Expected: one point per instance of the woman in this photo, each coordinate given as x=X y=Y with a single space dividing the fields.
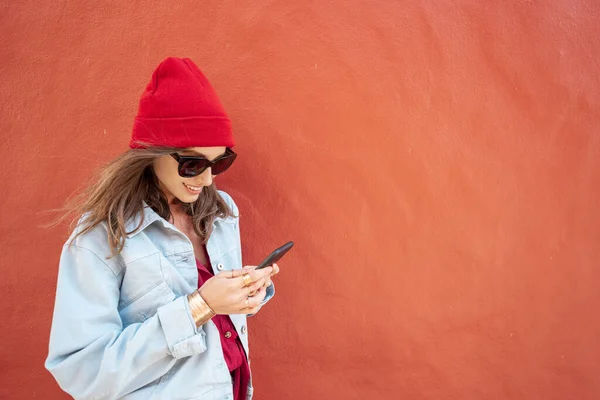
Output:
x=152 y=299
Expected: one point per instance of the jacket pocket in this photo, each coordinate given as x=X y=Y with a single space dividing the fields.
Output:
x=146 y=305
x=140 y=276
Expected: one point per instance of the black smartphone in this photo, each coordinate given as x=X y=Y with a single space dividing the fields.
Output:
x=275 y=255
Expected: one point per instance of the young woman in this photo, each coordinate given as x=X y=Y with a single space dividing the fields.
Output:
x=152 y=298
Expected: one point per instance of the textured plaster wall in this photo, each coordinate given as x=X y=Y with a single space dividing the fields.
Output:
x=436 y=163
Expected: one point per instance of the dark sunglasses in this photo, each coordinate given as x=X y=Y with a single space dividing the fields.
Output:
x=190 y=166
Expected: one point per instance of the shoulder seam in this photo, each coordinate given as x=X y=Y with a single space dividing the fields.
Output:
x=99 y=258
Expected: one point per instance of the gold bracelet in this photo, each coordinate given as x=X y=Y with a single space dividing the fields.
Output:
x=201 y=312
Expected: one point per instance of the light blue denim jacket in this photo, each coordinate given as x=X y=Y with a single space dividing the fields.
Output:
x=122 y=327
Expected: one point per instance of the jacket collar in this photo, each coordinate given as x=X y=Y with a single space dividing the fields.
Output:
x=148 y=216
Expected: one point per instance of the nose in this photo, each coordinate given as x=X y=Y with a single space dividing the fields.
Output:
x=205 y=178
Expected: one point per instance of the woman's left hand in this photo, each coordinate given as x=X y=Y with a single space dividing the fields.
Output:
x=268 y=281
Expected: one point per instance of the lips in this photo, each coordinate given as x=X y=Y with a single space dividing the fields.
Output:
x=193 y=189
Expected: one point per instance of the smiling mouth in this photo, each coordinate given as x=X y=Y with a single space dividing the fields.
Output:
x=193 y=188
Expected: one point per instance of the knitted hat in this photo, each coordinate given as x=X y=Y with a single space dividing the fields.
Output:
x=180 y=108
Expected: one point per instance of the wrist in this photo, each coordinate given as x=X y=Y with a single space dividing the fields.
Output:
x=201 y=311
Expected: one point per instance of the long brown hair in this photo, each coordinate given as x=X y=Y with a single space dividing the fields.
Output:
x=119 y=193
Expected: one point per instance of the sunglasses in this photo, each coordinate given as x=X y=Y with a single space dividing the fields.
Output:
x=190 y=166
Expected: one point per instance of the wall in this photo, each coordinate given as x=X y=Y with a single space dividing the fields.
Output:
x=436 y=163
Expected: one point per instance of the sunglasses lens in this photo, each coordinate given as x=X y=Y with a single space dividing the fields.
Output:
x=222 y=164
x=192 y=167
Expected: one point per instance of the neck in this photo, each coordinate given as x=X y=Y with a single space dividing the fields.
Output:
x=175 y=206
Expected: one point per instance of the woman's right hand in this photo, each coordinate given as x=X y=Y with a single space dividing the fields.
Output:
x=227 y=294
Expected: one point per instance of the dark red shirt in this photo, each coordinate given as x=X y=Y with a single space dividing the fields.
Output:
x=233 y=350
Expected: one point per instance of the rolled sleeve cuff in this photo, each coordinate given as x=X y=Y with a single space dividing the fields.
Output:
x=270 y=293
x=179 y=328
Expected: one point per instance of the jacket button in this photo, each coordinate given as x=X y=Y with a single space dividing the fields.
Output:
x=227 y=334
x=244 y=330
x=220 y=266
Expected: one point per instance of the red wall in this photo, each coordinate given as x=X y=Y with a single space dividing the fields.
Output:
x=436 y=165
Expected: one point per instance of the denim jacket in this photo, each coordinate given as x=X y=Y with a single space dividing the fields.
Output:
x=122 y=326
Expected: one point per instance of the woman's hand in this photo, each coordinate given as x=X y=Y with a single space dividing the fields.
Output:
x=275 y=271
x=268 y=281
x=227 y=292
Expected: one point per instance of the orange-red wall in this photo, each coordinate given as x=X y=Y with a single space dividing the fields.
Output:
x=436 y=163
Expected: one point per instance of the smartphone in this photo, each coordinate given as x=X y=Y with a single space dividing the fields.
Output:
x=275 y=255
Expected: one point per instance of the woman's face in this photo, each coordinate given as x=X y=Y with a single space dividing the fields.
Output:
x=174 y=186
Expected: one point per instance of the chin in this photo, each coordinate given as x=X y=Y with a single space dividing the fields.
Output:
x=188 y=198
x=188 y=201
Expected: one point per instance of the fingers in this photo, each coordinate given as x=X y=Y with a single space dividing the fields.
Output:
x=251 y=303
x=238 y=273
x=253 y=288
x=266 y=281
x=275 y=269
x=254 y=275
x=241 y=287
x=231 y=274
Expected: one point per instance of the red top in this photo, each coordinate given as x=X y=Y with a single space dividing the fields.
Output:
x=233 y=350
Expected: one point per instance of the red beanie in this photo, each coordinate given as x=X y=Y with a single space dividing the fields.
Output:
x=180 y=108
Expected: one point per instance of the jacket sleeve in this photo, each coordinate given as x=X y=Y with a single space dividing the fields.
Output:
x=91 y=355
